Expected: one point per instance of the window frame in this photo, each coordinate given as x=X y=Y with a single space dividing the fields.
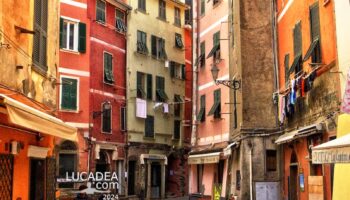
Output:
x=177 y=16
x=143 y=35
x=177 y=135
x=159 y=48
x=117 y=10
x=123 y=126
x=160 y=90
x=177 y=105
x=143 y=80
x=111 y=117
x=149 y=117
x=275 y=161
x=75 y=34
x=139 y=5
x=73 y=152
x=178 y=41
x=105 y=81
x=77 y=94
x=104 y=10
x=162 y=9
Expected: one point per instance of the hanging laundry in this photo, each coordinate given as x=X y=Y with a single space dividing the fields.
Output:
x=281 y=101
x=165 y=108
x=302 y=87
x=345 y=107
x=141 y=108
x=293 y=95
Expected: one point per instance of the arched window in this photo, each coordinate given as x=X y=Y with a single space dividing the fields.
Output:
x=67 y=162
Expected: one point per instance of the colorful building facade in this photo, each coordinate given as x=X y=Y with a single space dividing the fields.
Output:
x=28 y=59
x=309 y=94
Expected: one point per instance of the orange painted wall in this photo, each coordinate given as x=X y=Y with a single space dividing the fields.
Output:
x=21 y=171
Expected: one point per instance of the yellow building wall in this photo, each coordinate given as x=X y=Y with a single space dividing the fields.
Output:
x=42 y=87
x=150 y=24
x=341 y=171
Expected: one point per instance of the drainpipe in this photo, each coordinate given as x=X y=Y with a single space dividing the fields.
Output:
x=251 y=169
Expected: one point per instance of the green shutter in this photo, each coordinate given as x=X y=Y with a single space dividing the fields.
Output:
x=297 y=39
x=286 y=67
x=69 y=94
x=183 y=72
x=82 y=38
x=61 y=33
x=149 y=86
x=203 y=48
x=154 y=45
x=73 y=94
x=172 y=69
x=106 y=120
x=202 y=7
x=149 y=126
x=315 y=22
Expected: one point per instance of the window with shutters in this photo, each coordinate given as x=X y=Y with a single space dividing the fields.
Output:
x=177 y=16
x=177 y=129
x=142 y=42
x=177 y=70
x=101 y=11
x=203 y=7
x=297 y=64
x=188 y=13
x=141 y=85
x=314 y=50
x=69 y=93
x=161 y=96
x=201 y=113
x=216 y=108
x=162 y=10
x=215 y=51
x=108 y=76
x=271 y=160
x=141 y=5
x=149 y=126
x=202 y=54
x=40 y=36
x=178 y=41
x=158 y=48
x=106 y=117
x=67 y=161
x=72 y=35
x=123 y=118
x=177 y=105
x=120 y=21
x=286 y=69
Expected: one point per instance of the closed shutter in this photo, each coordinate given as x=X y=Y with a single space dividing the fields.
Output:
x=297 y=39
x=201 y=113
x=106 y=120
x=172 y=69
x=286 y=67
x=69 y=94
x=82 y=38
x=315 y=21
x=61 y=33
x=154 y=45
x=183 y=72
x=73 y=94
x=6 y=176
x=217 y=99
x=216 y=39
x=40 y=36
x=149 y=87
x=177 y=129
x=202 y=7
x=149 y=126
x=123 y=118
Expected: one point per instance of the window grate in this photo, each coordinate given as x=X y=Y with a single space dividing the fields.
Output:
x=6 y=178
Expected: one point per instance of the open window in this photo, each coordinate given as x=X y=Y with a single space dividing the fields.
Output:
x=216 y=108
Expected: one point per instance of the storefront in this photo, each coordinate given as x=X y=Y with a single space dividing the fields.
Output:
x=27 y=164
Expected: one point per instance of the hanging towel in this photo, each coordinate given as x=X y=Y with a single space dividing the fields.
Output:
x=141 y=108
x=293 y=95
x=166 y=108
x=281 y=101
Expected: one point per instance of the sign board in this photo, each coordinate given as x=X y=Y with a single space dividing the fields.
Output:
x=204 y=158
x=334 y=155
x=267 y=191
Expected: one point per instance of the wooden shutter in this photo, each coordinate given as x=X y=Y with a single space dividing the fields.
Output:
x=315 y=22
x=216 y=39
x=297 y=39
x=183 y=71
x=149 y=126
x=40 y=36
x=69 y=94
x=82 y=38
x=202 y=7
x=286 y=67
x=177 y=129
x=6 y=176
x=73 y=94
x=61 y=33
x=106 y=119
x=154 y=45
x=149 y=86
x=172 y=69
x=123 y=118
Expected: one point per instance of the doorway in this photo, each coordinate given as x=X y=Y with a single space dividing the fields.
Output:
x=156 y=179
x=102 y=164
x=293 y=178
x=37 y=179
x=131 y=177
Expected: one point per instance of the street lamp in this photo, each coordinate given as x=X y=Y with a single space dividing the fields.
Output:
x=233 y=84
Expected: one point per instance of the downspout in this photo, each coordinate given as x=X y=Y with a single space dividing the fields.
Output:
x=275 y=54
x=251 y=169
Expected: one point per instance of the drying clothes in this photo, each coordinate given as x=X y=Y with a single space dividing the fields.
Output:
x=293 y=95
x=141 y=108
x=345 y=107
x=281 y=110
x=165 y=108
x=302 y=87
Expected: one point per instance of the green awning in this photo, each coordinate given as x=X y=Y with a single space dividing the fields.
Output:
x=214 y=108
x=295 y=62
x=311 y=49
x=213 y=50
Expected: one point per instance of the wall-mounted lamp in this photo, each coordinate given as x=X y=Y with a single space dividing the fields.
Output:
x=233 y=84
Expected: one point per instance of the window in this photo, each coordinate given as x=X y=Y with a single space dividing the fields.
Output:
x=141 y=5
x=149 y=126
x=177 y=105
x=202 y=7
x=201 y=113
x=200 y=169
x=161 y=96
x=69 y=91
x=315 y=49
x=142 y=42
x=101 y=11
x=123 y=118
x=188 y=13
x=202 y=55
x=216 y=108
x=177 y=129
x=108 y=68
x=120 y=21
x=162 y=10
x=220 y=171
x=67 y=161
x=215 y=51
x=40 y=36
x=177 y=70
x=106 y=117
x=297 y=47
x=158 y=48
x=271 y=160
x=144 y=85
x=72 y=35
x=177 y=20
x=178 y=41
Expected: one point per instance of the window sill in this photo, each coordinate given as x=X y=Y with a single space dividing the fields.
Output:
x=70 y=51
x=101 y=23
x=107 y=133
x=120 y=32
x=69 y=111
x=162 y=19
x=179 y=48
x=141 y=53
x=107 y=83
x=39 y=70
x=141 y=11
x=177 y=25
x=159 y=59
x=175 y=140
x=149 y=138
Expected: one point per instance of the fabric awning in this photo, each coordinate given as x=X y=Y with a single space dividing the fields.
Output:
x=301 y=132
x=33 y=119
x=204 y=158
x=335 y=151
x=286 y=137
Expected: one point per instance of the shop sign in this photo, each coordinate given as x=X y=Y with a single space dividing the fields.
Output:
x=335 y=155
x=203 y=160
